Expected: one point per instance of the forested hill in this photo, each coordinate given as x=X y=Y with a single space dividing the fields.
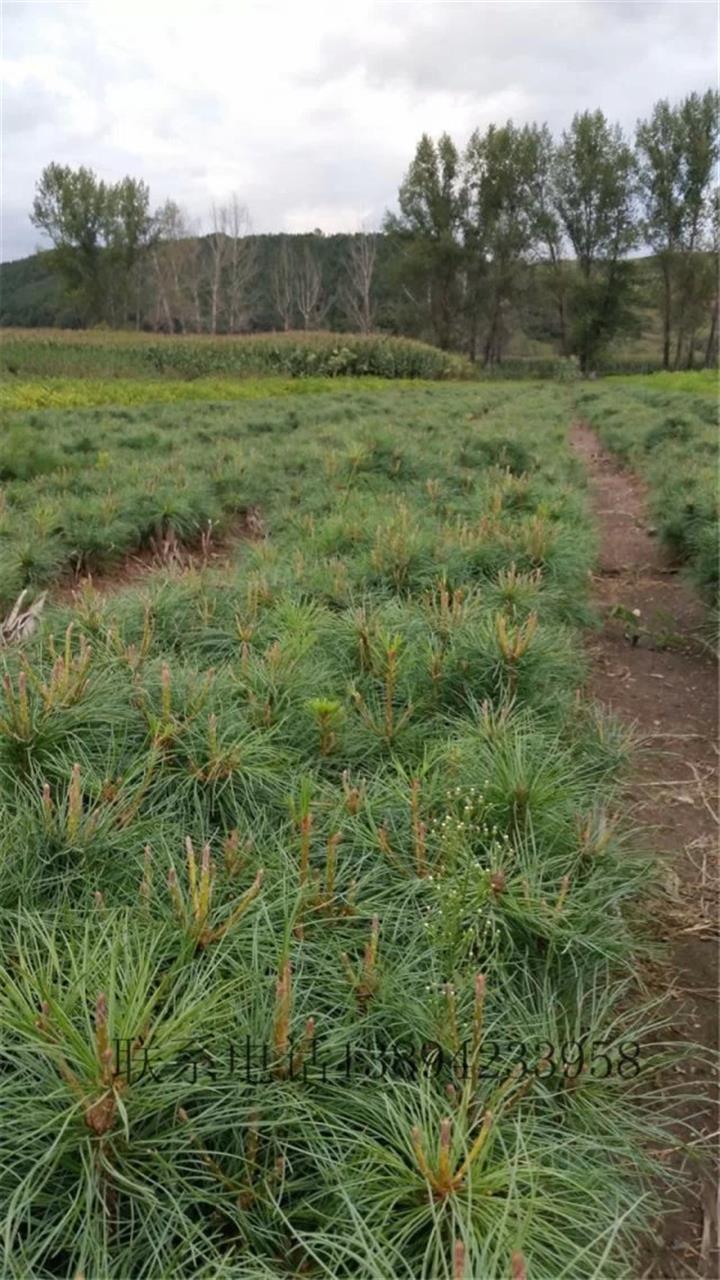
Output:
x=32 y=295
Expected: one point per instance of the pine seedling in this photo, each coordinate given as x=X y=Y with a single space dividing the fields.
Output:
x=514 y=641
x=447 y=607
x=193 y=911
x=257 y=593
x=538 y=538
x=285 y=1063
x=383 y=837
x=71 y=823
x=354 y=795
x=235 y=858
x=365 y=981
x=303 y=819
x=18 y=722
x=245 y=631
x=134 y=654
x=69 y=675
x=222 y=762
x=444 y=1175
x=327 y=714
x=99 y=1092
x=564 y=890
x=164 y=728
x=595 y=832
x=388 y=724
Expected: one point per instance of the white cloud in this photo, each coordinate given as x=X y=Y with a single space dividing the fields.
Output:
x=311 y=111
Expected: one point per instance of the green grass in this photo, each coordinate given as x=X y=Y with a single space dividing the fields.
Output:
x=702 y=382
x=371 y=721
x=669 y=436
x=82 y=393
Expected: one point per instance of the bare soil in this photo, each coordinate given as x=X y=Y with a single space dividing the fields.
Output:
x=654 y=671
x=213 y=550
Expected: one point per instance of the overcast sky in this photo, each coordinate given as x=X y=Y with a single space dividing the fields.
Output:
x=311 y=111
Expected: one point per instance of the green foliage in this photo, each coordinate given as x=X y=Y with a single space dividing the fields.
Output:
x=678 y=151
x=99 y=232
x=339 y=798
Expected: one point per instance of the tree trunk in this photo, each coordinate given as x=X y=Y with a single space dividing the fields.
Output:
x=562 y=321
x=679 y=347
x=667 y=316
x=711 y=348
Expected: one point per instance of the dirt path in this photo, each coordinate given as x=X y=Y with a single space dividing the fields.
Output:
x=654 y=672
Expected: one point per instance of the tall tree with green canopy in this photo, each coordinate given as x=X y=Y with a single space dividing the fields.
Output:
x=503 y=222
x=71 y=207
x=99 y=232
x=677 y=152
x=428 y=230
x=128 y=231
x=595 y=200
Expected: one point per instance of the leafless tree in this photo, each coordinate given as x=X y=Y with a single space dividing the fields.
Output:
x=218 y=246
x=241 y=264
x=232 y=265
x=357 y=293
x=282 y=284
x=309 y=290
x=175 y=260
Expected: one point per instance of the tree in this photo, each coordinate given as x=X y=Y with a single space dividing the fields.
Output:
x=232 y=266
x=241 y=264
x=175 y=258
x=217 y=245
x=503 y=219
x=71 y=207
x=595 y=202
x=282 y=285
x=128 y=234
x=549 y=230
x=677 y=153
x=309 y=289
x=428 y=233
x=358 y=289
x=101 y=233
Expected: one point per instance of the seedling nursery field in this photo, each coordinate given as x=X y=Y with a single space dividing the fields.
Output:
x=323 y=924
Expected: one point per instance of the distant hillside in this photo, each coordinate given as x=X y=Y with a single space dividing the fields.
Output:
x=31 y=295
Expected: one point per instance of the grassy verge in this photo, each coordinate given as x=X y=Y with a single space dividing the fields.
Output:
x=702 y=382
x=319 y=929
x=670 y=437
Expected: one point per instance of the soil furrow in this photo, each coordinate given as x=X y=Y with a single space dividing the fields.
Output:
x=650 y=666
